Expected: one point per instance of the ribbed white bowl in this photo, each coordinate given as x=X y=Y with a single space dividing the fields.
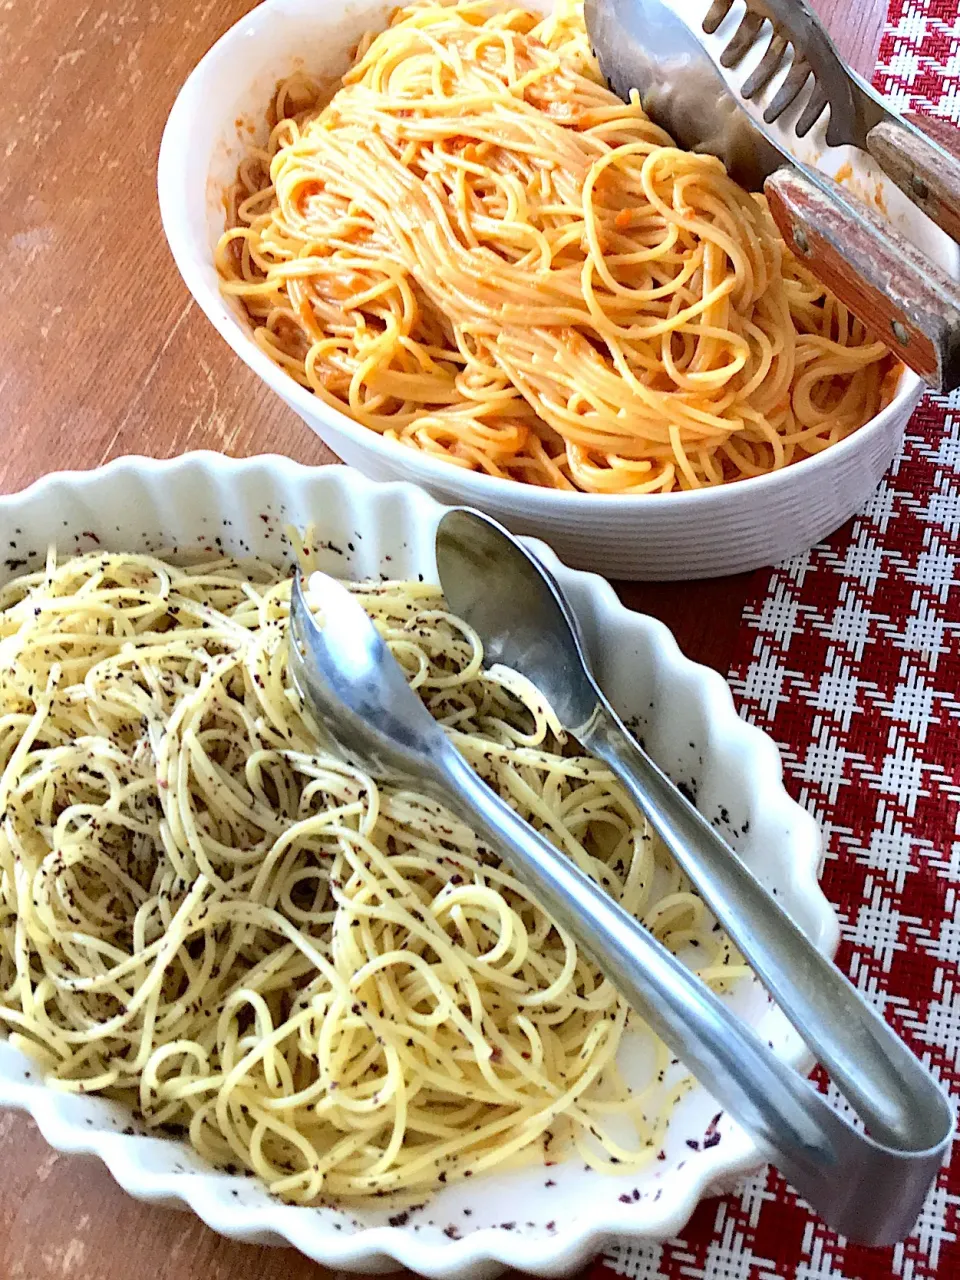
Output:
x=687 y=718
x=687 y=535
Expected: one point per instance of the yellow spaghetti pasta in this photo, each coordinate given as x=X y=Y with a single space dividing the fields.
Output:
x=476 y=249
x=324 y=981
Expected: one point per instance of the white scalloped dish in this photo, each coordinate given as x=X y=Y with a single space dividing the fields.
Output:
x=546 y=1222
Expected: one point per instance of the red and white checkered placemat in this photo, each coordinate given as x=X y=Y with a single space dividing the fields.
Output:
x=850 y=658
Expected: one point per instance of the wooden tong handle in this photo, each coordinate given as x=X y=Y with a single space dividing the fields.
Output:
x=924 y=172
x=902 y=297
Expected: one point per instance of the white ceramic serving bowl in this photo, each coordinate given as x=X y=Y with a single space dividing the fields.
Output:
x=686 y=535
x=686 y=715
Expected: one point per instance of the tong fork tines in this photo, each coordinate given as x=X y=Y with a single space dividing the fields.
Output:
x=795 y=38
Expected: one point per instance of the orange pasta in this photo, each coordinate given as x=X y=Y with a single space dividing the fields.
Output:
x=476 y=249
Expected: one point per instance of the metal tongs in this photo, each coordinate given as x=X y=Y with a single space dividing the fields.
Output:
x=869 y=1186
x=672 y=52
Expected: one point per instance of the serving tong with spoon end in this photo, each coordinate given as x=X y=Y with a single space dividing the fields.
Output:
x=868 y=1186
x=659 y=49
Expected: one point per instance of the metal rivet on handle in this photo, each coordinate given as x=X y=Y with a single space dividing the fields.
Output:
x=900 y=332
x=919 y=187
x=800 y=240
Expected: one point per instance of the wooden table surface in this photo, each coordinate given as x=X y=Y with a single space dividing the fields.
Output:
x=103 y=353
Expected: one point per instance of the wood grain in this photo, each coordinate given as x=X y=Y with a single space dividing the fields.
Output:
x=928 y=177
x=102 y=353
x=902 y=297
